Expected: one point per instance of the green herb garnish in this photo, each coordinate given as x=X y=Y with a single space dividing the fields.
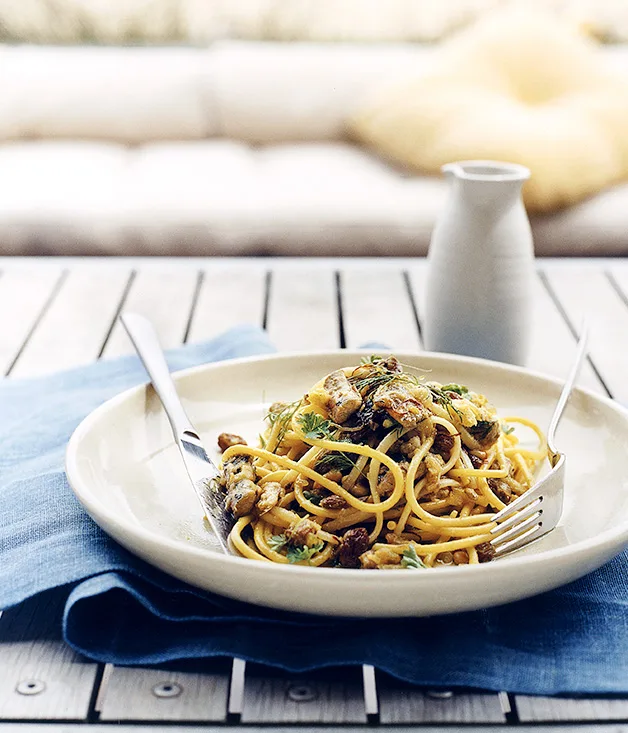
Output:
x=481 y=429
x=300 y=554
x=283 y=417
x=457 y=388
x=274 y=415
x=277 y=541
x=379 y=378
x=373 y=381
x=507 y=429
x=334 y=460
x=311 y=496
x=439 y=396
x=410 y=559
x=371 y=359
x=442 y=398
x=314 y=426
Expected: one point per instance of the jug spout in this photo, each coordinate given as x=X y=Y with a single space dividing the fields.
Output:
x=488 y=182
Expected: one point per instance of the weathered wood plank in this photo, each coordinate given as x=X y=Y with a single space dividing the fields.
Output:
x=73 y=329
x=407 y=705
x=168 y=728
x=24 y=295
x=587 y=291
x=302 y=699
x=556 y=709
x=41 y=678
x=228 y=296
x=376 y=307
x=553 y=347
x=165 y=295
x=303 y=310
x=150 y=694
x=369 y=687
x=236 y=687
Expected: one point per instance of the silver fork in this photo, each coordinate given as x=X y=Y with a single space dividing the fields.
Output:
x=537 y=512
x=201 y=470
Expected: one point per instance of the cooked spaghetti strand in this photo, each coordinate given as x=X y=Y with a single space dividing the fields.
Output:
x=378 y=468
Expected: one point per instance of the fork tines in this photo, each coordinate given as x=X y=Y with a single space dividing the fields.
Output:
x=532 y=515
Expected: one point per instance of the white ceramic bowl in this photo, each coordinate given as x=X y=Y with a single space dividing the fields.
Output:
x=124 y=467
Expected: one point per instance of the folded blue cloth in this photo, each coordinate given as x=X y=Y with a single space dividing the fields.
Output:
x=119 y=609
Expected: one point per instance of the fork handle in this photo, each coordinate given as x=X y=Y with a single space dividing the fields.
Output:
x=567 y=387
x=144 y=337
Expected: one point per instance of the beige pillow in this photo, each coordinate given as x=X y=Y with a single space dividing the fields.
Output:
x=519 y=87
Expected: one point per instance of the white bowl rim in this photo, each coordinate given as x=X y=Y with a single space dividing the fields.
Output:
x=606 y=539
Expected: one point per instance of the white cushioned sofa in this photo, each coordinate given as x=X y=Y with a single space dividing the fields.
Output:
x=239 y=148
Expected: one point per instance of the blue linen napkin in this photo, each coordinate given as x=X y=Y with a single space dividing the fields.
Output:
x=119 y=609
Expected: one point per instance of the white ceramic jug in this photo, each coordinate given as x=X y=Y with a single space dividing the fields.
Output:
x=478 y=297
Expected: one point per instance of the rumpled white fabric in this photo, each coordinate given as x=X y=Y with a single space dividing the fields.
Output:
x=237 y=149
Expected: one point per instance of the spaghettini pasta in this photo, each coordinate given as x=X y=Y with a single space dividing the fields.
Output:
x=376 y=468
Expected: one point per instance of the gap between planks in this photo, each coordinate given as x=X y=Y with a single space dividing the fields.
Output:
x=24 y=298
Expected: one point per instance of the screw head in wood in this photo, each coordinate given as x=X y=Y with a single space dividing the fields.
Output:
x=302 y=693
x=439 y=694
x=30 y=687
x=167 y=689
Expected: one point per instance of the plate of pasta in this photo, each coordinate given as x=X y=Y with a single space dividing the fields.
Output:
x=358 y=484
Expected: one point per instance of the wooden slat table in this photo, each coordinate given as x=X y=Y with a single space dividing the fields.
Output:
x=59 y=313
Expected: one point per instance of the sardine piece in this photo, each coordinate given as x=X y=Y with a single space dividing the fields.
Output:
x=241 y=498
x=486 y=433
x=400 y=404
x=343 y=398
x=272 y=493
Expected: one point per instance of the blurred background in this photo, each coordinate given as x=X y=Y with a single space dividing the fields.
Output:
x=268 y=127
